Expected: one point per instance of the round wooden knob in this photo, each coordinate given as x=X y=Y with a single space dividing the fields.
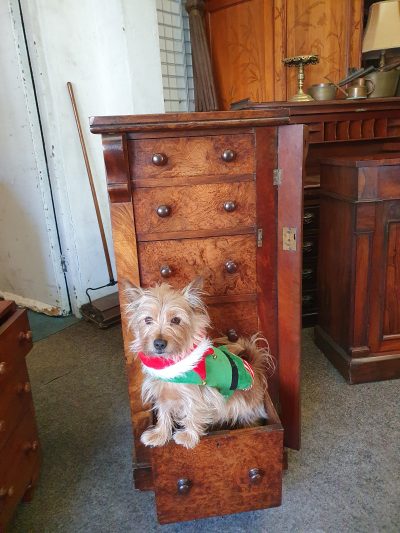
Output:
x=307 y=273
x=228 y=155
x=231 y=267
x=165 y=271
x=232 y=335
x=183 y=486
x=3 y=368
x=2 y=425
x=6 y=492
x=25 y=336
x=163 y=211
x=308 y=246
x=255 y=476
x=159 y=160
x=31 y=446
x=230 y=206
x=24 y=387
x=308 y=217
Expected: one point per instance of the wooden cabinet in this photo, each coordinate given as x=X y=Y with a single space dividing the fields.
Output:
x=340 y=127
x=359 y=266
x=249 y=38
x=195 y=194
x=19 y=443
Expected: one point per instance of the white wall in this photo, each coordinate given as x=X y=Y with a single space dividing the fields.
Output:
x=30 y=269
x=109 y=51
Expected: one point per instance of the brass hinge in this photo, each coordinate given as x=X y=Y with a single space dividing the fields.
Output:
x=259 y=237
x=289 y=241
x=277 y=176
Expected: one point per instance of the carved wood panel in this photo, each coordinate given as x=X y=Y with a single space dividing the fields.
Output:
x=391 y=322
x=330 y=29
x=249 y=38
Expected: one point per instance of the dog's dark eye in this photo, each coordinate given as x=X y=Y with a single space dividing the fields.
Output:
x=148 y=320
x=176 y=320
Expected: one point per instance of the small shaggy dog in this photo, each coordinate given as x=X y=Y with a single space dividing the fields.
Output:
x=192 y=384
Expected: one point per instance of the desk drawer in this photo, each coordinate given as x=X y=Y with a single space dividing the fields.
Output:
x=220 y=206
x=233 y=319
x=227 y=264
x=16 y=400
x=15 y=343
x=20 y=468
x=187 y=157
x=227 y=472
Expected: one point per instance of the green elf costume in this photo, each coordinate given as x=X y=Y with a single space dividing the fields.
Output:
x=204 y=365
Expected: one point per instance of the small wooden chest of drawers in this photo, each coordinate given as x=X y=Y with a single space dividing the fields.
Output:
x=213 y=194
x=359 y=266
x=19 y=443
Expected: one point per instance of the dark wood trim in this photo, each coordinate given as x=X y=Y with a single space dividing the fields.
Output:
x=376 y=367
x=291 y=151
x=187 y=121
x=195 y=234
x=195 y=180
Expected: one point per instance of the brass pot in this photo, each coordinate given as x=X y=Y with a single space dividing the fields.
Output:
x=385 y=83
x=322 y=91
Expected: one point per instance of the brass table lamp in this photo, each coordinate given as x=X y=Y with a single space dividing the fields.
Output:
x=299 y=62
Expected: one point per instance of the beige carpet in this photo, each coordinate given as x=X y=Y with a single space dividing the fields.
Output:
x=346 y=478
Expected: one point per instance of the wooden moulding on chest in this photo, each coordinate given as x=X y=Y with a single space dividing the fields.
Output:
x=169 y=178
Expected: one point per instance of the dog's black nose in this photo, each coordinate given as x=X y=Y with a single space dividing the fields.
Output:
x=160 y=344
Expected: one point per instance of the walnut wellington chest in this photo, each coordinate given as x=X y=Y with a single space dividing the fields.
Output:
x=217 y=195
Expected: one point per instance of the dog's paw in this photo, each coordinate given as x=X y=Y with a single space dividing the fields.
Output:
x=187 y=439
x=154 y=437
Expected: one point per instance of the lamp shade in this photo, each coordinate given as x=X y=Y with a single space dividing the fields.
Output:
x=383 y=26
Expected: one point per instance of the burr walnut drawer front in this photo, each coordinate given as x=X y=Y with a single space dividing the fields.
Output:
x=227 y=264
x=228 y=472
x=188 y=157
x=233 y=319
x=218 y=206
x=23 y=456
x=15 y=343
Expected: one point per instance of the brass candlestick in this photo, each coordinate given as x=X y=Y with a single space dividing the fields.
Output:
x=299 y=62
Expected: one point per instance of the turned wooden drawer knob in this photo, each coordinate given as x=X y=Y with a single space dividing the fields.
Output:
x=230 y=206
x=255 y=476
x=6 y=492
x=165 y=271
x=308 y=246
x=2 y=425
x=307 y=273
x=31 y=446
x=163 y=211
x=183 y=486
x=228 y=155
x=24 y=387
x=232 y=335
x=159 y=160
x=3 y=368
x=231 y=267
x=25 y=336
x=308 y=217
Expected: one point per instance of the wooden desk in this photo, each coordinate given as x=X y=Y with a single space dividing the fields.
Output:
x=336 y=128
x=359 y=266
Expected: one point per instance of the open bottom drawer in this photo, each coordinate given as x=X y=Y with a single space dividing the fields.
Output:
x=227 y=472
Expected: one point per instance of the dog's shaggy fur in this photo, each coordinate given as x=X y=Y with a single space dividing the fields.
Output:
x=184 y=412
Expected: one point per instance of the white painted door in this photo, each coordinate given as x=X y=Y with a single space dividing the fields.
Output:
x=31 y=271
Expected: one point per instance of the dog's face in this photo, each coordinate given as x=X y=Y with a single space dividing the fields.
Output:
x=166 y=321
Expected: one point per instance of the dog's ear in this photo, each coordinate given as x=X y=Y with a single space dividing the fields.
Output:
x=193 y=292
x=133 y=292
